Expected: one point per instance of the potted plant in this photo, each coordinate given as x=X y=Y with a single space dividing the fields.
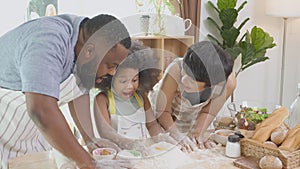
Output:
x=251 y=46
x=160 y=7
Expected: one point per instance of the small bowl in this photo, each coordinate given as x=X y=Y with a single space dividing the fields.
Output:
x=104 y=153
x=129 y=155
x=221 y=136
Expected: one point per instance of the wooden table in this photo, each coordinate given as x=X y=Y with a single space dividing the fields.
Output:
x=40 y=160
x=203 y=159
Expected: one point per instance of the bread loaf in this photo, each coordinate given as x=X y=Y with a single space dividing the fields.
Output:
x=292 y=140
x=225 y=121
x=263 y=131
x=279 y=134
x=270 y=162
x=270 y=144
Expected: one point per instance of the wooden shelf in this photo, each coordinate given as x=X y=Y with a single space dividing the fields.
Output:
x=167 y=47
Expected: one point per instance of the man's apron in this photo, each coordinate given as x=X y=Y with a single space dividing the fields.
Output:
x=18 y=133
x=131 y=126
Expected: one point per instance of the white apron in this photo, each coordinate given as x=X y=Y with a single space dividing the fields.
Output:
x=183 y=112
x=18 y=133
x=131 y=126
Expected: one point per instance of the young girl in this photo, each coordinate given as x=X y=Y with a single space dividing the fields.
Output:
x=122 y=110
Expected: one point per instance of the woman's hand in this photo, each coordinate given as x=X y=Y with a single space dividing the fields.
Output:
x=185 y=143
x=203 y=141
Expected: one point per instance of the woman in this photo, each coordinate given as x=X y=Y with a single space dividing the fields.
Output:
x=192 y=91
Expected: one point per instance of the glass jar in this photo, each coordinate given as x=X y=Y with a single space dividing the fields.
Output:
x=233 y=148
x=294 y=116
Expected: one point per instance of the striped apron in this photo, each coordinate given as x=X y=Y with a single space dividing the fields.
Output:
x=18 y=133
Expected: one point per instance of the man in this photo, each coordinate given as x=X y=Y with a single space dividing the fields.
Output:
x=48 y=62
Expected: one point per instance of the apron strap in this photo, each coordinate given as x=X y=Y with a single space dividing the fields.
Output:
x=138 y=99
x=111 y=102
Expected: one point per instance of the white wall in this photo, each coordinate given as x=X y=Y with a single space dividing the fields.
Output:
x=260 y=82
x=11 y=15
x=119 y=8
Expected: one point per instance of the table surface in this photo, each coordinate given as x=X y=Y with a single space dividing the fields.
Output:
x=206 y=159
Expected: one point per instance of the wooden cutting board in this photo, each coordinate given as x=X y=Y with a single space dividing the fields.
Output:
x=246 y=163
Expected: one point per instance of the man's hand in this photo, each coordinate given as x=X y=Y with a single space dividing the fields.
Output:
x=100 y=142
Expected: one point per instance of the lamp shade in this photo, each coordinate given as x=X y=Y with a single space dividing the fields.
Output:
x=283 y=8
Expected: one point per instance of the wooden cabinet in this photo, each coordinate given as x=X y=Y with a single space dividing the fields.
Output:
x=167 y=48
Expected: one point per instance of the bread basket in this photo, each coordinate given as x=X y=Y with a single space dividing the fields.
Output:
x=252 y=148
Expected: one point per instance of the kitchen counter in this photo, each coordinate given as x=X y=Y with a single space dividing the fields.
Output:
x=201 y=159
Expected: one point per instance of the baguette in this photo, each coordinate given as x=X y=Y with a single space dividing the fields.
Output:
x=292 y=140
x=263 y=131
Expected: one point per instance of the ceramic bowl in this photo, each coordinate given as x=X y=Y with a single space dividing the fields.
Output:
x=104 y=153
x=221 y=136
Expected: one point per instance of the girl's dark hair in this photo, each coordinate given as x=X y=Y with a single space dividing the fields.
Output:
x=142 y=58
x=207 y=62
x=149 y=69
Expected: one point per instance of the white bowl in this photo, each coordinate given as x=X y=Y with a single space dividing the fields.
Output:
x=221 y=136
x=104 y=153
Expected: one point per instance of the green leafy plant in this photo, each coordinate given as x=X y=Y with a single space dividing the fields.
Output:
x=251 y=46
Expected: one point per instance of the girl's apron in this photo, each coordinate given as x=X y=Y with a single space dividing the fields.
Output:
x=131 y=126
x=18 y=133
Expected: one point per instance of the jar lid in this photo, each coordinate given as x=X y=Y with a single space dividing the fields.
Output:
x=238 y=133
x=145 y=16
x=233 y=138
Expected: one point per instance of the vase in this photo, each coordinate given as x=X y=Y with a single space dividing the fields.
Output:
x=158 y=25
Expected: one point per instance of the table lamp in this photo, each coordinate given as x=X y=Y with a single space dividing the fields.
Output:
x=284 y=9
